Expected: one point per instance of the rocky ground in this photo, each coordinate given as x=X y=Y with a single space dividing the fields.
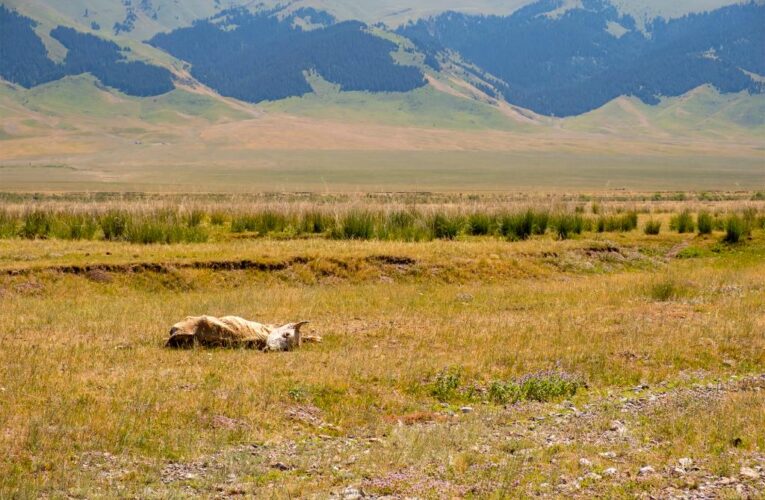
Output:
x=520 y=450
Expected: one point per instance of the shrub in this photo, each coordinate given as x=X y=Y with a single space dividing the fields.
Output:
x=683 y=222
x=652 y=227
x=447 y=384
x=544 y=386
x=705 y=222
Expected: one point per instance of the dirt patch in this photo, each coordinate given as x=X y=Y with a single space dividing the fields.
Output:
x=99 y=276
x=392 y=260
x=99 y=272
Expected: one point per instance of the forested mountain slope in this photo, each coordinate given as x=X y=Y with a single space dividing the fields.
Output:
x=554 y=57
x=566 y=61
x=257 y=57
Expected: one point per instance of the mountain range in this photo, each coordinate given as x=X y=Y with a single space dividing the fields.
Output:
x=552 y=57
x=84 y=79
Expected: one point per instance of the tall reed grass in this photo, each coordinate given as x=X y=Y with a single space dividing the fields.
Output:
x=164 y=225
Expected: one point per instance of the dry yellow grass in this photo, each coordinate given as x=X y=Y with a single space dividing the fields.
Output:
x=94 y=406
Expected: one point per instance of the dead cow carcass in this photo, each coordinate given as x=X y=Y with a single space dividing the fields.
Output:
x=235 y=332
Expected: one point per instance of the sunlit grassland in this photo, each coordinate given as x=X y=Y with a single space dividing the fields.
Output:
x=83 y=370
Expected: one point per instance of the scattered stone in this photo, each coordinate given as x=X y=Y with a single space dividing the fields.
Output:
x=608 y=454
x=686 y=463
x=611 y=471
x=645 y=471
x=584 y=462
x=618 y=427
x=593 y=476
x=351 y=493
x=749 y=473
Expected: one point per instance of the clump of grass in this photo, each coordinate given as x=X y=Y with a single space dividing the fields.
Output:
x=666 y=290
x=618 y=223
x=195 y=218
x=683 y=222
x=8 y=225
x=705 y=222
x=355 y=225
x=263 y=222
x=480 y=224
x=566 y=225
x=652 y=227
x=244 y=223
x=218 y=218
x=37 y=224
x=316 y=222
x=446 y=226
x=163 y=230
x=545 y=386
x=405 y=225
x=735 y=229
x=76 y=226
x=521 y=226
x=114 y=225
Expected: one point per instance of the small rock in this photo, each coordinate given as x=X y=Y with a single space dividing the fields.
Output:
x=686 y=463
x=584 y=462
x=351 y=493
x=593 y=476
x=608 y=454
x=644 y=471
x=617 y=426
x=466 y=409
x=749 y=473
x=611 y=471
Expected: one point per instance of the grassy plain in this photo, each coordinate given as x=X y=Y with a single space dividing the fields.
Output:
x=72 y=135
x=665 y=331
